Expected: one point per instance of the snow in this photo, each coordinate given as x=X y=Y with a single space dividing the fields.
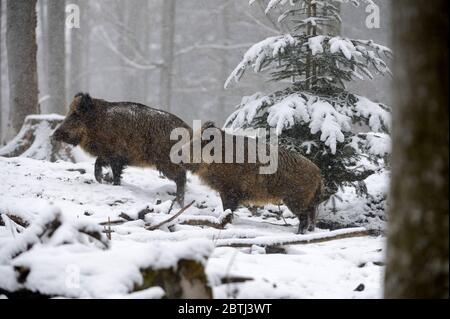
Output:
x=322 y=117
x=258 y=53
x=70 y=264
x=378 y=117
x=315 y=44
x=247 y=110
x=287 y=112
x=329 y=122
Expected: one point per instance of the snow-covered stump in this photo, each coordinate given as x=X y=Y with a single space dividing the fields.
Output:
x=186 y=281
x=33 y=140
x=59 y=255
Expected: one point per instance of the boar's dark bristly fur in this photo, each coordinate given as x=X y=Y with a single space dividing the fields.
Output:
x=121 y=134
x=297 y=182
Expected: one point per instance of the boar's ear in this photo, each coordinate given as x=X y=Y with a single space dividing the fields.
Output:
x=86 y=104
x=207 y=125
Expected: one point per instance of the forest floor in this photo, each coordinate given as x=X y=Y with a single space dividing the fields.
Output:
x=332 y=269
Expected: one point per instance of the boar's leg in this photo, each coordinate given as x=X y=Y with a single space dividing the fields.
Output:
x=177 y=174
x=303 y=225
x=314 y=208
x=229 y=201
x=181 y=184
x=100 y=162
x=117 y=166
x=302 y=214
x=312 y=217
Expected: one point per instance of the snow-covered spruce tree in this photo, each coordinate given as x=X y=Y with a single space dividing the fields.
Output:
x=345 y=134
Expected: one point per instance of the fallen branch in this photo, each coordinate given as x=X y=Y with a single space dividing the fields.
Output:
x=154 y=227
x=271 y=242
x=218 y=223
x=17 y=219
x=235 y=280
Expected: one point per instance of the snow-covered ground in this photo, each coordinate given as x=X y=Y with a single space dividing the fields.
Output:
x=31 y=188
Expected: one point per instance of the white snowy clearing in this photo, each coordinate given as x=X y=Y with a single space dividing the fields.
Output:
x=36 y=190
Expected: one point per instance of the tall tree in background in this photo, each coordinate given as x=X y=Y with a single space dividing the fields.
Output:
x=315 y=114
x=167 y=52
x=224 y=31
x=146 y=42
x=21 y=47
x=56 y=56
x=1 y=105
x=79 y=52
x=43 y=51
x=417 y=255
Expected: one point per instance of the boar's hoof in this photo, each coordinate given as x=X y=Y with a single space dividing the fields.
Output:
x=99 y=178
x=303 y=225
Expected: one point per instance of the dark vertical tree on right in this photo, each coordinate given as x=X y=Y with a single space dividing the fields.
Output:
x=417 y=255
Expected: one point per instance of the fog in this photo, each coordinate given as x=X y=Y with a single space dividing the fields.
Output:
x=119 y=50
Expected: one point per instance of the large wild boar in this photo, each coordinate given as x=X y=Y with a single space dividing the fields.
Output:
x=297 y=182
x=121 y=134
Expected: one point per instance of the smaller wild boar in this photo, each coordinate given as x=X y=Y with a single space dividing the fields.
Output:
x=121 y=134
x=297 y=182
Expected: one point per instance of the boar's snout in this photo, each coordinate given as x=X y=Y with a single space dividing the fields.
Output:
x=61 y=135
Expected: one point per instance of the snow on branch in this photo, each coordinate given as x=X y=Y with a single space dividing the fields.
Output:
x=348 y=57
x=274 y=3
x=247 y=110
x=330 y=119
x=255 y=57
x=377 y=144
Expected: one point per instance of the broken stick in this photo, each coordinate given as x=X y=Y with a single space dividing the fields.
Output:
x=154 y=227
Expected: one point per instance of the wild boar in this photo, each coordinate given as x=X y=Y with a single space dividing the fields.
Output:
x=123 y=134
x=297 y=182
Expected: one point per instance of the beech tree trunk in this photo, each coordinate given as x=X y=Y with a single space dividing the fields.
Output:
x=417 y=255
x=167 y=52
x=21 y=47
x=79 y=52
x=1 y=106
x=56 y=56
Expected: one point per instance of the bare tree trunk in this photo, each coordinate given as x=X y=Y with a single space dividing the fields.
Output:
x=167 y=52
x=21 y=47
x=146 y=46
x=1 y=105
x=43 y=52
x=224 y=65
x=79 y=52
x=417 y=256
x=56 y=56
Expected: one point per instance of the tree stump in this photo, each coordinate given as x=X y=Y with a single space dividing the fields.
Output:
x=187 y=281
x=33 y=140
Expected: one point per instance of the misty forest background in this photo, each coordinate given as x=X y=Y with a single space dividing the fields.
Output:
x=173 y=55
x=177 y=55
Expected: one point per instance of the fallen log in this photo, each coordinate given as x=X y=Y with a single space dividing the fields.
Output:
x=218 y=223
x=277 y=241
